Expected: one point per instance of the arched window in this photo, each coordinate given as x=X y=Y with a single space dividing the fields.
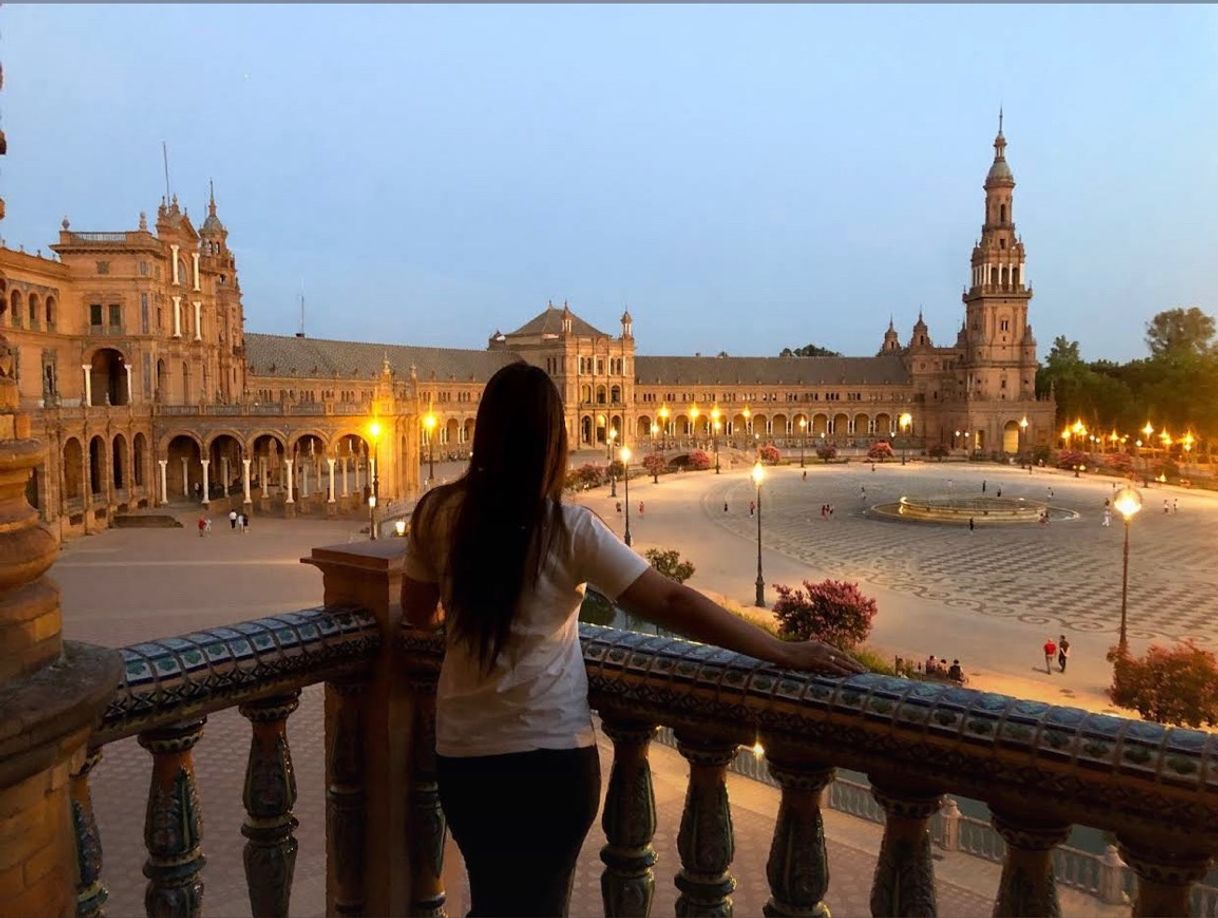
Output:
x=50 y=311
x=1002 y=213
x=14 y=308
x=33 y=311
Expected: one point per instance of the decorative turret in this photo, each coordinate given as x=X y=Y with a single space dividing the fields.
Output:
x=212 y=225
x=627 y=324
x=921 y=334
x=566 y=318
x=892 y=341
x=998 y=256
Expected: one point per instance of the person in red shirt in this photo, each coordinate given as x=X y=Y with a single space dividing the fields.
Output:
x=1050 y=653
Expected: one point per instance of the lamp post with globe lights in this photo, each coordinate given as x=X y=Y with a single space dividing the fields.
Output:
x=663 y=427
x=1023 y=437
x=715 y=434
x=609 y=438
x=758 y=474
x=374 y=433
x=903 y=422
x=803 y=439
x=748 y=423
x=429 y=424
x=693 y=423
x=1127 y=502
x=625 y=454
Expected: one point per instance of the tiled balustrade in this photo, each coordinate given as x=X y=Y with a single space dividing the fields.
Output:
x=1040 y=768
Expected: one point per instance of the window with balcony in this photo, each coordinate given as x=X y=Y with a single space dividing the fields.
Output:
x=95 y=315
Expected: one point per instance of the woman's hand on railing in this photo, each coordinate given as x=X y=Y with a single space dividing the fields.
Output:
x=818 y=657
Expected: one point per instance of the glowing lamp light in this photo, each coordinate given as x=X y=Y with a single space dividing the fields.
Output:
x=625 y=453
x=372 y=501
x=758 y=473
x=905 y=420
x=1023 y=422
x=374 y=430
x=1148 y=429
x=400 y=528
x=1127 y=502
x=758 y=750
x=430 y=421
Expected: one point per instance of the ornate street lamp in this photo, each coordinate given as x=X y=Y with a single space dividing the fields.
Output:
x=624 y=452
x=757 y=475
x=374 y=432
x=803 y=431
x=693 y=422
x=904 y=421
x=715 y=434
x=609 y=438
x=1127 y=502
x=429 y=424
x=1023 y=432
x=748 y=423
x=664 y=425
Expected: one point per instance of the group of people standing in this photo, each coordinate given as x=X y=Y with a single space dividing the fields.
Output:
x=1061 y=650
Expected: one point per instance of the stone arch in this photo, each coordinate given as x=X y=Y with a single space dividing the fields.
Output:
x=299 y=441
x=73 y=469
x=761 y=425
x=118 y=462
x=820 y=424
x=600 y=395
x=97 y=466
x=14 y=307
x=883 y=424
x=862 y=424
x=601 y=427
x=225 y=449
x=469 y=430
x=642 y=428
x=585 y=393
x=267 y=449
x=172 y=435
x=800 y=430
x=49 y=305
x=450 y=434
x=139 y=458
x=615 y=395
x=779 y=425
x=841 y=424
x=108 y=377
x=184 y=470
x=33 y=312
x=1010 y=437
x=585 y=430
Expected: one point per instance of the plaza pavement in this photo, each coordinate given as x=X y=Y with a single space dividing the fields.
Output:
x=937 y=590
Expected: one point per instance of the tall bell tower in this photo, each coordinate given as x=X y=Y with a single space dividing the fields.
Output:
x=1000 y=351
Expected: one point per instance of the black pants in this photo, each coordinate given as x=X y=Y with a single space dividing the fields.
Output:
x=520 y=820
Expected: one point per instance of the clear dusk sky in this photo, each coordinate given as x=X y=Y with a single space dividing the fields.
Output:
x=744 y=177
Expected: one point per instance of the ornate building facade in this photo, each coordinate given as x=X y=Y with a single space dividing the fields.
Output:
x=133 y=363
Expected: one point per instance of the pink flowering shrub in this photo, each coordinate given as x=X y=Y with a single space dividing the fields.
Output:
x=769 y=454
x=881 y=450
x=833 y=611
x=700 y=460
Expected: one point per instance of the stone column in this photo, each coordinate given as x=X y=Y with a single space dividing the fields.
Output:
x=330 y=463
x=177 y=315
x=346 y=493
x=262 y=475
x=904 y=881
x=185 y=477
x=198 y=320
x=287 y=464
x=355 y=464
x=130 y=395
x=195 y=257
x=245 y=482
x=51 y=690
x=206 y=482
x=1027 y=886
x=304 y=480
x=164 y=463
x=173 y=252
x=88 y=389
x=1165 y=875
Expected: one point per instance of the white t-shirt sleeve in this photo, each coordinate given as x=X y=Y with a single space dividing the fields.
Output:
x=419 y=565
x=602 y=559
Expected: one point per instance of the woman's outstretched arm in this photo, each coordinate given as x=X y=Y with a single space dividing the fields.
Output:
x=678 y=608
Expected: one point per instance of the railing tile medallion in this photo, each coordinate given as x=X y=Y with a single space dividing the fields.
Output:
x=171 y=678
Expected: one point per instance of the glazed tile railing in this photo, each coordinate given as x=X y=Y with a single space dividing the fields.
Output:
x=169 y=687
x=1039 y=768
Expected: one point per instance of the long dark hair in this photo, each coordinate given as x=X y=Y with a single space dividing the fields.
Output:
x=510 y=513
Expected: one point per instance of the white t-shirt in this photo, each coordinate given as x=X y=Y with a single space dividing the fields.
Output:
x=536 y=695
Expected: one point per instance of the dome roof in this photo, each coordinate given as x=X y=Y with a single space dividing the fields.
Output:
x=1000 y=172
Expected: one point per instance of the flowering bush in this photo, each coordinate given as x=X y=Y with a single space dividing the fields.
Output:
x=616 y=469
x=668 y=562
x=1072 y=458
x=826 y=452
x=881 y=450
x=584 y=477
x=1176 y=685
x=700 y=459
x=654 y=463
x=769 y=454
x=1119 y=462
x=833 y=611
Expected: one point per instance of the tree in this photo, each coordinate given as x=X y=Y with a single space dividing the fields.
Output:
x=1176 y=685
x=833 y=611
x=1180 y=332
x=654 y=463
x=668 y=562
x=617 y=469
x=808 y=350
x=700 y=460
x=826 y=452
x=769 y=454
x=584 y=477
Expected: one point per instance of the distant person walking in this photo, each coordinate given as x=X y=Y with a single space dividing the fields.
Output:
x=1063 y=652
x=862 y=492
x=971 y=524
x=1050 y=494
x=202 y=526
x=1050 y=652
x=1175 y=505
x=752 y=507
x=207 y=525
x=725 y=506
x=982 y=485
x=805 y=476
x=245 y=522
x=232 y=519
x=1107 y=517
x=1166 y=508
x=619 y=506
x=1000 y=490
x=640 y=508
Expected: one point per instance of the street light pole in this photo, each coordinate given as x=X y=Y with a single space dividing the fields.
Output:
x=758 y=474
x=904 y=421
x=715 y=434
x=375 y=430
x=625 y=454
x=1127 y=502
x=803 y=439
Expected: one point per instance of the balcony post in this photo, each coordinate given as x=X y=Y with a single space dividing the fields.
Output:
x=91 y=895
x=629 y=820
x=1028 y=886
x=798 y=866
x=950 y=814
x=269 y=795
x=705 y=841
x=1165 y=877
x=173 y=827
x=904 y=881
x=370 y=725
x=1112 y=880
x=427 y=825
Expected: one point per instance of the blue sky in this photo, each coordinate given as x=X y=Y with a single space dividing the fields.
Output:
x=744 y=177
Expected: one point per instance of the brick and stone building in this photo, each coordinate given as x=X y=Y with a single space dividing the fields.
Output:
x=141 y=382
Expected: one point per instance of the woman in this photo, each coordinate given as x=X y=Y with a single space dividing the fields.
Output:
x=516 y=754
